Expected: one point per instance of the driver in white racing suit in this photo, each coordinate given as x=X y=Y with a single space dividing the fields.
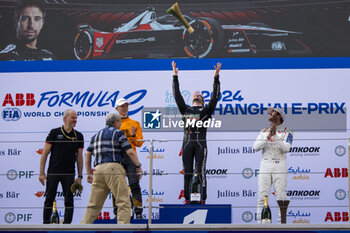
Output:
x=275 y=141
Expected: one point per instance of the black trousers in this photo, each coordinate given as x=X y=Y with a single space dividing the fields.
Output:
x=134 y=183
x=51 y=192
x=194 y=150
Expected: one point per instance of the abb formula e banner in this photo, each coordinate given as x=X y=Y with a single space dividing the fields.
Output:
x=94 y=29
x=314 y=99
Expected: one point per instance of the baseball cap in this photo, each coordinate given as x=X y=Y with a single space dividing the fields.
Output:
x=120 y=102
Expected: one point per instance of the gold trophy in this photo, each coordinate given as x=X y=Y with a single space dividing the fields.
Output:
x=175 y=11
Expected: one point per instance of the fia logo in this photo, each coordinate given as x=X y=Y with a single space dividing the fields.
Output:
x=11 y=114
x=152 y=119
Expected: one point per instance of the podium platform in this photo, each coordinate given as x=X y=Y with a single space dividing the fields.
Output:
x=194 y=214
x=185 y=214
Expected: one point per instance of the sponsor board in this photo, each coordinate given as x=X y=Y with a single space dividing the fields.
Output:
x=10 y=195
x=13 y=174
x=336 y=173
x=303 y=194
x=247 y=216
x=337 y=216
x=59 y=195
x=11 y=152
x=340 y=194
x=298 y=216
x=305 y=151
x=299 y=173
x=18 y=218
x=340 y=150
x=235 y=194
x=43 y=105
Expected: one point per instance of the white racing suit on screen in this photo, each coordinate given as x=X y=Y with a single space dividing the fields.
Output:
x=273 y=166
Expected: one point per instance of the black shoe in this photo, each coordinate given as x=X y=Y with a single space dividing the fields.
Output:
x=138 y=216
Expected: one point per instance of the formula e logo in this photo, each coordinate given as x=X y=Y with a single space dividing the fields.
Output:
x=247 y=173
x=340 y=194
x=10 y=217
x=247 y=216
x=152 y=120
x=340 y=150
x=11 y=114
x=12 y=174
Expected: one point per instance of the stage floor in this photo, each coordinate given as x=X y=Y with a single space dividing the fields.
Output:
x=178 y=227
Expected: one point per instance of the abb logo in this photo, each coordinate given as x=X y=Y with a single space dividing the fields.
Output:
x=336 y=173
x=105 y=215
x=20 y=99
x=337 y=217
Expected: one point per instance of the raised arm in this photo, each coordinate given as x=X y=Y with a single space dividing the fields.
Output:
x=216 y=89
x=180 y=102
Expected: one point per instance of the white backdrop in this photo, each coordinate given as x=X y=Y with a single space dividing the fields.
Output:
x=317 y=191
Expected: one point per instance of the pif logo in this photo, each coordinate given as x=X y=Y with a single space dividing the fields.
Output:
x=19 y=99
x=249 y=173
x=340 y=150
x=11 y=114
x=340 y=194
x=12 y=174
x=247 y=216
x=11 y=217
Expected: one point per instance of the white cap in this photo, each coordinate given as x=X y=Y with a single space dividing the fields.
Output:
x=280 y=111
x=120 y=102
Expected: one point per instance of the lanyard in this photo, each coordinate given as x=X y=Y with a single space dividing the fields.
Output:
x=75 y=134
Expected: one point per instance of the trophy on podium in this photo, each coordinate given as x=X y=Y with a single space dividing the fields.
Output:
x=283 y=204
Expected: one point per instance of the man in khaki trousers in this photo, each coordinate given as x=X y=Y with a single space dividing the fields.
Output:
x=108 y=146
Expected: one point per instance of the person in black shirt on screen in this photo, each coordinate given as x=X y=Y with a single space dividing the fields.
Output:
x=66 y=147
